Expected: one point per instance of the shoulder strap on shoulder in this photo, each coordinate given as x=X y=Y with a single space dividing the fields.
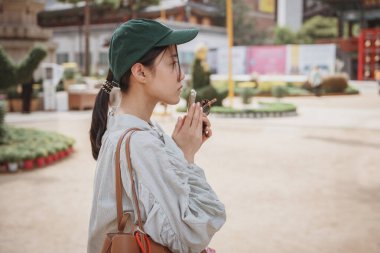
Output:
x=123 y=218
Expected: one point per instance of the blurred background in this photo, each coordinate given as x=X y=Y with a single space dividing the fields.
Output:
x=294 y=155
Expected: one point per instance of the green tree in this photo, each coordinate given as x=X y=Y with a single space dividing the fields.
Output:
x=15 y=74
x=318 y=27
x=283 y=35
x=7 y=70
x=27 y=66
x=200 y=77
x=245 y=31
x=12 y=75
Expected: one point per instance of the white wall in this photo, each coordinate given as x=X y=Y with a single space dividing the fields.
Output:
x=289 y=14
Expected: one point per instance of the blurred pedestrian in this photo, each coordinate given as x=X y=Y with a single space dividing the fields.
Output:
x=315 y=80
x=26 y=95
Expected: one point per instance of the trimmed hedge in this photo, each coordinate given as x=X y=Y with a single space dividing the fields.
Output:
x=266 y=109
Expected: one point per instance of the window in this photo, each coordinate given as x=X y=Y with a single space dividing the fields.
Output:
x=79 y=59
x=62 y=58
x=103 y=58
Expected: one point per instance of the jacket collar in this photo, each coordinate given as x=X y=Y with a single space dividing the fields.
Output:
x=126 y=121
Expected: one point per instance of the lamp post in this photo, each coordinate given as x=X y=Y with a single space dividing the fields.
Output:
x=87 y=13
x=230 y=33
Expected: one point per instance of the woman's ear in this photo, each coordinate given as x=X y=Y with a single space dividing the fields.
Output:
x=139 y=72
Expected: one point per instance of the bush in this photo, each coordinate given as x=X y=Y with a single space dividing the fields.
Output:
x=69 y=74
x=6 y=66
x=26 y=154
x=247 y=94
x=350 y=91
x=279 y=91
x=19 y=73
x=297 y=91
x=283 y=35
x=265 y=107
x=22 y=143
x=200 y=77
x=209 y=92
x=27 y=67
x=335 y=84
x=10 y=155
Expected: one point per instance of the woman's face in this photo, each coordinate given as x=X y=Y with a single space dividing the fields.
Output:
x=165 y=82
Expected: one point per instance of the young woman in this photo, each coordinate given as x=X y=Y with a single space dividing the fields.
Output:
x=178 y=206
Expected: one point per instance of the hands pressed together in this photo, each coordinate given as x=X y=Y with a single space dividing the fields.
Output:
x=188 y=132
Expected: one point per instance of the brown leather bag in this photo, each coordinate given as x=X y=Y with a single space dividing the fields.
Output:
x=137 y=241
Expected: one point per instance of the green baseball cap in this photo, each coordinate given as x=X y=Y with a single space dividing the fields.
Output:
x=133 y=39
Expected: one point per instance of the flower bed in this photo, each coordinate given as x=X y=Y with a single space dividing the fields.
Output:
x=276 y=109
x=29 y=148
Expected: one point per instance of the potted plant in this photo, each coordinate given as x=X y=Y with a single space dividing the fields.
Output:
x=12 y=158
x=28 y=159
x=50 y=157
x=60 y=149
x=279 y=92
x=56 y=151
x=70 y=148
x=41 y=153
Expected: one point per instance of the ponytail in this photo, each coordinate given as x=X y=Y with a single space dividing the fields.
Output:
x=99 y=119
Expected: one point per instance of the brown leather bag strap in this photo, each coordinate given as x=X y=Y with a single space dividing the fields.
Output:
x=135 y=200
x=121 y=218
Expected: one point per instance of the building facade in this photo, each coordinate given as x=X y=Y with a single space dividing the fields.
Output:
x=67 y=20
x=19 y=31
x=70 y=44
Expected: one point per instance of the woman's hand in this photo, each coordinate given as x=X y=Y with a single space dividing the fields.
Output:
x=207 y=132
x=188 y=134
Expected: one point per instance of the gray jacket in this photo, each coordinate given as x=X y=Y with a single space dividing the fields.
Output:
x=179 y=208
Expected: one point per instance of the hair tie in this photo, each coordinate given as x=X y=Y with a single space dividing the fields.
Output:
x=115 y=84
x=107 y=87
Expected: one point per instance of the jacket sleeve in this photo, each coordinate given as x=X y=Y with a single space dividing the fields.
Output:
x=178 y=206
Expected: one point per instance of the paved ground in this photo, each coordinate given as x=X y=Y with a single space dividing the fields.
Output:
x=306 y=184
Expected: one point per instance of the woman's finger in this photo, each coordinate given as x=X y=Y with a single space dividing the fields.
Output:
x=178 y=126
x=189 y=116
x=197 y=113
x=206 y=120
x=207 y=135
x=197 y=117
x=199 y=123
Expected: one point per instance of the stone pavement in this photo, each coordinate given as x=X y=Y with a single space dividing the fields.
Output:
x=309 y=183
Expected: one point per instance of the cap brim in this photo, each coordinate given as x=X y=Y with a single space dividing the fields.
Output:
x=178 y=37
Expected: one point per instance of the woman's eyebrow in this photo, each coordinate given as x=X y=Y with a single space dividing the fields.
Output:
x=174 y=55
